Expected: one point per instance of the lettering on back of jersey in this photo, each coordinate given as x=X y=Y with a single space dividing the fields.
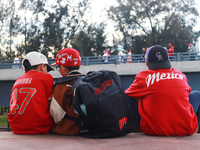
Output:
x=23 y=81
x=156 y=77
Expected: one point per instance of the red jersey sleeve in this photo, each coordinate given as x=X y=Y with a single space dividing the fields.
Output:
x=49 y=86
x=136 y=87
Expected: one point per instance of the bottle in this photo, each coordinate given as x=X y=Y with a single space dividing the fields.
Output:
x=83 y=108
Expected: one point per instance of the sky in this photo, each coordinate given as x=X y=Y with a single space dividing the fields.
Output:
x=98 y=6
x=197 y=27
x=98 y=14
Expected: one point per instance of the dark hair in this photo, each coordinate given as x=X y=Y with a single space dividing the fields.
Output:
x=73 y=68
x=27 y=65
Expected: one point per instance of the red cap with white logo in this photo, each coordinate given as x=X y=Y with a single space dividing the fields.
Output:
x=68 y=57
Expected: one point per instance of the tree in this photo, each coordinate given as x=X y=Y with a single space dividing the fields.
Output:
x=178 y=34
x=13 y=30
x=90 y=41
x=100 y=38
x=9 y=22
x=60 y=21
x=151 y=17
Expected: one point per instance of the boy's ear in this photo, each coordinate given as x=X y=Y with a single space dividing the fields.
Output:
x=147 y=65
x=42 y=67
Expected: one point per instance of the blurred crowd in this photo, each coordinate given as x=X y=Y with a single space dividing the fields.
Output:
x=127 y=55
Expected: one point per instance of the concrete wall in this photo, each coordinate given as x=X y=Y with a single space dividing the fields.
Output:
x=121 y=69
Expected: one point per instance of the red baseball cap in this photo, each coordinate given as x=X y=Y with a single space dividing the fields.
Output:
x=68 y=57
x=170 y=44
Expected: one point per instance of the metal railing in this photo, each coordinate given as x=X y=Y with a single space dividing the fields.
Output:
x=113 y=59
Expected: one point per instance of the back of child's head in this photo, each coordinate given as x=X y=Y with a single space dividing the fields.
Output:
x=157 y=58
x=27 y=66
x=68 y=57
x=33 y=59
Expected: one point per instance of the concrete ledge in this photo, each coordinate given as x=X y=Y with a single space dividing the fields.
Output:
x=133 y=141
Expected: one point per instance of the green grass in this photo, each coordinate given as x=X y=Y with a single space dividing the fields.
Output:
x=4 y=120
x=3 y=117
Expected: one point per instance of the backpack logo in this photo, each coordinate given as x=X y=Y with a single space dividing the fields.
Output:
x=103 y=86
x=122 y=122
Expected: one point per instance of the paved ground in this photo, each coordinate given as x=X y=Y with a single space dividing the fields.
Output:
x=133 y=141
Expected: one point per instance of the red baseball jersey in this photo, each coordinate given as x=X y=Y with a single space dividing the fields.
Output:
x=29 y=108
x=171 y=50
x=164 y=102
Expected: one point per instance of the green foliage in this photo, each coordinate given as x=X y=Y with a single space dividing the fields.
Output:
x=149 y=22
x=99 y=39
x=3 y=117
x=9 y=27
x=60 y=23
x=90 y=41
x=83 y=44
x=3 y=120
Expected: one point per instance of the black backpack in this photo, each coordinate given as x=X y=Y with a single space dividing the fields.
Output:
x=100 y=101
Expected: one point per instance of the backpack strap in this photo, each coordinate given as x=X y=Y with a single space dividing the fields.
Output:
x=93 y=75
x=65 y=79
x=73 y=119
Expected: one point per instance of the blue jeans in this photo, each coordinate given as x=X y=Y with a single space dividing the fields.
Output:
x=135 y=113
x=194 y=100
